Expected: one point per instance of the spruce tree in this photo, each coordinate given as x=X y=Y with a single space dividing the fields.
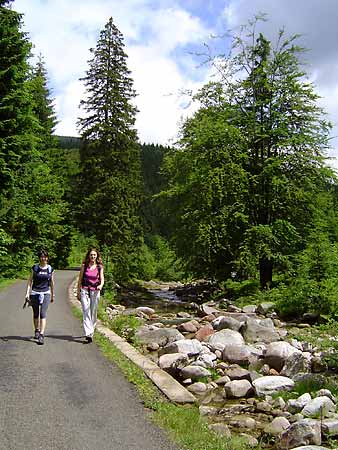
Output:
x=110 y=187
x=43 y=107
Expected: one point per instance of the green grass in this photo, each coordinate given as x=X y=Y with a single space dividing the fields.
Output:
x=5 y=282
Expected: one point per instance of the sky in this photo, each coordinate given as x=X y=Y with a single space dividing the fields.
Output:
x=163 y=41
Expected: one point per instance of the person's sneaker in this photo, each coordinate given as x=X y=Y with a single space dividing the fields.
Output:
x=36 y=334
x=89 y=339
x=41 y=340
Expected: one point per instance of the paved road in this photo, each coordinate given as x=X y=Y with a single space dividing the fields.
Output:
x=64 y=395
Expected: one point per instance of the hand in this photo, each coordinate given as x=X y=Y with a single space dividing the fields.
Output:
x=78 y=296
x=52 y=299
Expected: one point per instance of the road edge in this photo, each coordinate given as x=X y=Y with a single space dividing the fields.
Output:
x=170 y=387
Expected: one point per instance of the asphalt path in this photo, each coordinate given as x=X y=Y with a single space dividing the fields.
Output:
x=64 y=395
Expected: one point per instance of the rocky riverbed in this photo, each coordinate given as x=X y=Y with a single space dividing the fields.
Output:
x=243 y=369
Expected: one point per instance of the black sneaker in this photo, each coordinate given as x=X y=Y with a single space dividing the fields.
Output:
x=89 y=339
x=41 y=340
x=36 y=334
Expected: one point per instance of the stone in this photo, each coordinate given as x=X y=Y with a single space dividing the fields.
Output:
x=253 y=331
x=238 y=388
x=221 y=339
x=249 y=308
x=187 y=327
x=223 y=380
x=145 y=310
x=153 y=346
x=265 y=307
x=242 y=422
x=197 y=388
x=237 y=354
x=277 y=426
x=297 y=363
x=272 y=384
x=194 y=372
x=162 y=336
x=327 y=393
x=304 y=432
x=319 y=407
x=311 y=447
x=330 y=427
x=277 y=353
x=204 y=332
x=237 y=373
x=187 y=346
x=221 y=429
x=296 y=405
x=222 y=322
x=171 y=363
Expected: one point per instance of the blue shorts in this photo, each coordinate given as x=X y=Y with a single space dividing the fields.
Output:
x=39 y=310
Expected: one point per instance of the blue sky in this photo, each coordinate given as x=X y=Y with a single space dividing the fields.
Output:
x=162 y=37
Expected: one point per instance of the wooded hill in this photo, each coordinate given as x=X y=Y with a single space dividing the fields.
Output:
x=245 y=198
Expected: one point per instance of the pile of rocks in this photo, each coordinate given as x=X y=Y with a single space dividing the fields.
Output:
x=235 y=362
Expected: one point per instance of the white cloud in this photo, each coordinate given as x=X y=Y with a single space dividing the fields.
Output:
x=64 y=31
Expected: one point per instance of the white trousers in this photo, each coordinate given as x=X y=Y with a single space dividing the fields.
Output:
x=89 y=302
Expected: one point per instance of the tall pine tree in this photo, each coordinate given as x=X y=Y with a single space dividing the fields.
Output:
x=110 y=181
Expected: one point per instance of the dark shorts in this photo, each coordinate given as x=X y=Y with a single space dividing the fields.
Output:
x=40 y=310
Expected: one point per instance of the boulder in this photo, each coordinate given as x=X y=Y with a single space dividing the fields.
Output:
x=194 y=372
x=319 y=407
x=272 y=384
x=204 y=332
x=254 y=331
x=277 y=426
x=173 y=363
x=277 y=354
x=162 y=336
x=186 y=346
x=297 y=363
x=237 y=354
x=238 y=389
x=222 y=322
x=304 y=432
x=221 y=339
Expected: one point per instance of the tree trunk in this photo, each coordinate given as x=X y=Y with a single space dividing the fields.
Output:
x=265 y=272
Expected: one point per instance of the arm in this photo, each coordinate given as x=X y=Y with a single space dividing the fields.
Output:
x=100 y=286
x=52 y=288
x=29 y=285
x=79 y=281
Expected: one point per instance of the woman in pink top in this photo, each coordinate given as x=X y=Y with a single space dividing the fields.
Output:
x=90 y=283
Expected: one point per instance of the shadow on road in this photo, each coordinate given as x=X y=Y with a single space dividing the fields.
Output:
x=16 y=338
x=66 y=337
x=62 y=337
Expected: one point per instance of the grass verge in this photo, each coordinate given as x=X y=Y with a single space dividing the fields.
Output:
x=183 y=423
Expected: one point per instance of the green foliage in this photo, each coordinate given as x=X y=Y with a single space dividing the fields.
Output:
x=314 y=287
x=243 y=185
x=125 y=326
x=155 y=260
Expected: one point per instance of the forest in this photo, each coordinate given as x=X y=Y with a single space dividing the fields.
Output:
x=246 y=198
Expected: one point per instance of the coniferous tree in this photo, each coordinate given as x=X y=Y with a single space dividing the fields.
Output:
x=43 y=105
x=110 y=183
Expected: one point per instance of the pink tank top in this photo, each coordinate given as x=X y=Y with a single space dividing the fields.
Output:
x=91 y=278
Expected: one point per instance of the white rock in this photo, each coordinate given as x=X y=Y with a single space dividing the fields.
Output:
x=272 y=384
x=222 y=338
x=319 y=407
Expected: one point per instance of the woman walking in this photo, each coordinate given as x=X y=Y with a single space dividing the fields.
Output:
x=40 y=292
x=90 y=283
